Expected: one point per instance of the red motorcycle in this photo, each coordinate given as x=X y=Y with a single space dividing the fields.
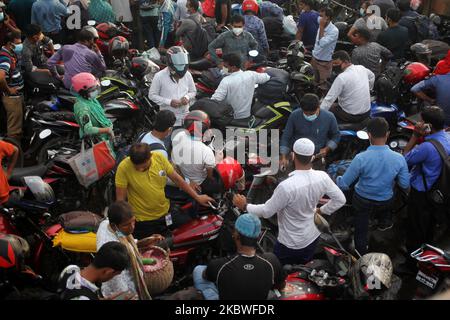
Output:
x=434 y=271
x=107 y=31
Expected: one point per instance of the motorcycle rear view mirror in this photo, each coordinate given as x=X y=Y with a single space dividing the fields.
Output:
x=363 y=135
x=92 y=23
x=105 y=83
x=57 y=47
x=45 y=134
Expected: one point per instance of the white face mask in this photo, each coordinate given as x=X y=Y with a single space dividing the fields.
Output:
x=94 y=94
x=238 y=31
x=225 y=71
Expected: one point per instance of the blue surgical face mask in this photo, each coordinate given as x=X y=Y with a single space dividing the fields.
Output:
x=2 y=16
x=94 y=94
x=120 y=234
x=18 y=48
x=311 y=117
x=362 y=12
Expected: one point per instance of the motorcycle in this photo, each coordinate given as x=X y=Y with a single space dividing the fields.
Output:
x=434 y=268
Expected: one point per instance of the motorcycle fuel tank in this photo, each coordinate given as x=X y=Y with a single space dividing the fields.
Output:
x=204 y=228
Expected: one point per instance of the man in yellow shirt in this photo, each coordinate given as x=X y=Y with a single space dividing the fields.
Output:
x=141 y=178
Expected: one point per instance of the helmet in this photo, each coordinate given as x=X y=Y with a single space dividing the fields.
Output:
x=107 y=30
x=118 y=46
x=13 y=251
x=140 y=67
x=41 y=191
x=92 y=30
x=250 y=5
x=192 y=120
x=415 y=72
x=84 y=82
x=178 y=60
x=342 y=27
x=230 y=171
x=295 y=54
x=373 y=271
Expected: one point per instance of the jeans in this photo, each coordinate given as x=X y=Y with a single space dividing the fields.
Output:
x=150 y=31
x=208 y=288
x=363 y=208
x=295 y=256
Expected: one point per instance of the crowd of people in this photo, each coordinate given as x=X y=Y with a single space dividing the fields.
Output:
x=185 y=29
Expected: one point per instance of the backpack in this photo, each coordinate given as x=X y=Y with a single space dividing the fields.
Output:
x=387 y=85
x=275 y=89
x=439 y=193
x=199 y=40
x=425 y=27
x=220 y=113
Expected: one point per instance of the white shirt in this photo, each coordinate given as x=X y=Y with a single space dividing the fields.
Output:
x=122 y=9
x=192 y=157
x=122 y=282
x=295 y=200
x=149 y=139
x=352 y=89
x=164 y=89
x=237 y=89
x=181 y=11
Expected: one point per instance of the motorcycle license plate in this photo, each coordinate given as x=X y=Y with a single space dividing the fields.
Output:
x=429 y=281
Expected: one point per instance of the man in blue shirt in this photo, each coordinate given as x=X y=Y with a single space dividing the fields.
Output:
x=48 y=14
x=326 y=39
x=426 y=165
x=255 y=25
x=308 y=24
x=319 y=126
x=376 y=170
x=408 y=19
x=440 y=85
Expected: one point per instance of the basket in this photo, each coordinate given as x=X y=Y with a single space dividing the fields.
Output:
x=158 y=277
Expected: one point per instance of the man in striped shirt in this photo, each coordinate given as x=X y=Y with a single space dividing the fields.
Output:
x=11 y=84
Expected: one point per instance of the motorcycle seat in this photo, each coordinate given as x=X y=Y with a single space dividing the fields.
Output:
x=242 y=123
x=201 y=64
x=64 y=91
x=18 y=174
x=353 y=126
x=58 y=116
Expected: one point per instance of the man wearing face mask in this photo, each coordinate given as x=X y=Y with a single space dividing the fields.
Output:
x=369 y=21
x=89 y=113
x=320 y=126
x=235 y=41
x=6 y=24
x=83 y=56
x=376 y=171
x=352 y=90
x=11 y=84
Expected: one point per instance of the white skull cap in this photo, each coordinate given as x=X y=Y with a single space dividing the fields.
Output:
x=304 y=147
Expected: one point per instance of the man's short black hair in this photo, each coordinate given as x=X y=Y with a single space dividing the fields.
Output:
x=309 y=3
x=233 y=59
x=139 y=153
x=303 y=159
x=394 y=14
x=248 y=242
x=119 y=212
x=341 y=55
x=85 y=35
x=310 y=102
x=328 y=12
x=112 y=255
x=31 y=30
x=164 y=120
x=435 y=116
x=237 y=18
x=404 y=5
x=12 y=36
x=195 y=4
x=378 y=127
x=363 y=33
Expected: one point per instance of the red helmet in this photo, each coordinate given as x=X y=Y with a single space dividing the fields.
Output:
x=230 y=171
x=193 y=119
x=84 y=81
x=250 y=5
x=13 y=251
x=415 y=72
x=107 y=30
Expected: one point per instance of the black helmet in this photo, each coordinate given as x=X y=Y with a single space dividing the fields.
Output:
x=140 y=67
x=343 y=28
x=118 y=47
x=194 y=119
x=295 y=54
x=178 y=60
x=13 y=251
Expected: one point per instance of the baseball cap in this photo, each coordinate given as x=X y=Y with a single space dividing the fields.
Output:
x=248 y=225
x=304 y=147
